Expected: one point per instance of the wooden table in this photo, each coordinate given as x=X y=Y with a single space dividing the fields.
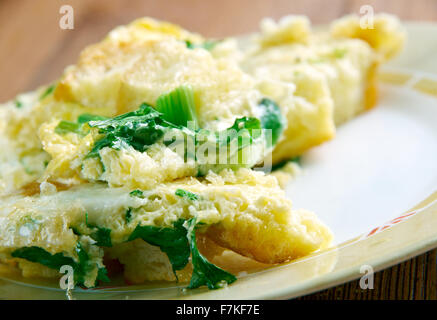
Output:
x=34 y=50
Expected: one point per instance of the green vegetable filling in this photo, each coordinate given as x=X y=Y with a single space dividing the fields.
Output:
x=18 y=103
x=101 y=235
x=65 y=127
x=136 y=193
x=178 y=242
x=204 y=272
x=207 y=45
x=186 y=194
x=175 y=110
x=172 y=241
x=178 y=107
x=139 y=129
x=282 y=164
x=47 y=92
x=271 y=119
x=81 y=267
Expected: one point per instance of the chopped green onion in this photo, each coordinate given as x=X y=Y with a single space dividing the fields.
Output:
x=207 y=45
x=339 y=53
x=136 y=193
x=186 y=194
x=48 y=91
x=84 y=118
x=178 y=106
x=18 y=103
x=65 y=127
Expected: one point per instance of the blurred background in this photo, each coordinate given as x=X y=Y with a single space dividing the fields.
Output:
x=34 y=49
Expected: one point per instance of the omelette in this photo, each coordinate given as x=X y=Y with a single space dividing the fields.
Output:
x=153 y=151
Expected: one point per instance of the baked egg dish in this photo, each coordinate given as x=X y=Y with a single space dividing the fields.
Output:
x=153 y=154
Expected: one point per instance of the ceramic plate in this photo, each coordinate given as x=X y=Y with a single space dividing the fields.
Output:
x=375 y=185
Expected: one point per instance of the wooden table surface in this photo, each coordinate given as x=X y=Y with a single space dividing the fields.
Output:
x=34 y=50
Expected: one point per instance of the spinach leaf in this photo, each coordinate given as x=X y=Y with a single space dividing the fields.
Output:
x=178 y=243
x=101 y=235
x=172 y=241
x=253 y=127
x=65 y=127
x=186 y=194
x=39 y=255
x=271 y=119
x=146 y=126
x=55 y=261
x=18 y=103
x=128 y=215
x=139 y=129
x=281 y=164
x=204 y=272
x=136 y=193
x=207 y=45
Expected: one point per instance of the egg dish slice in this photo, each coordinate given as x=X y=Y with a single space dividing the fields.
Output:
x=142 y=154
x=244 y=211
x=344 y=60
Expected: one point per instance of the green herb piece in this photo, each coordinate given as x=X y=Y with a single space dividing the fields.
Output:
x=204 y=272
x=39 y=255
x=282 y=164
x=178 y=243
x=339 y=53
x=26 y=167
x=172 y=241
x=136 y=193
x=186 y=194
x=86 y=117
x=207 y=45
x=102 y=275
x=178 y=106
x=18 y=103
x=146 y=126
x=128 y=215
x=253 y=131
x=83 y=267
x=271 y=119
x=101 y=235
x=47 y=92
x=139 y=129
x=317 y=60
x=55 y=261
x=65 y=127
